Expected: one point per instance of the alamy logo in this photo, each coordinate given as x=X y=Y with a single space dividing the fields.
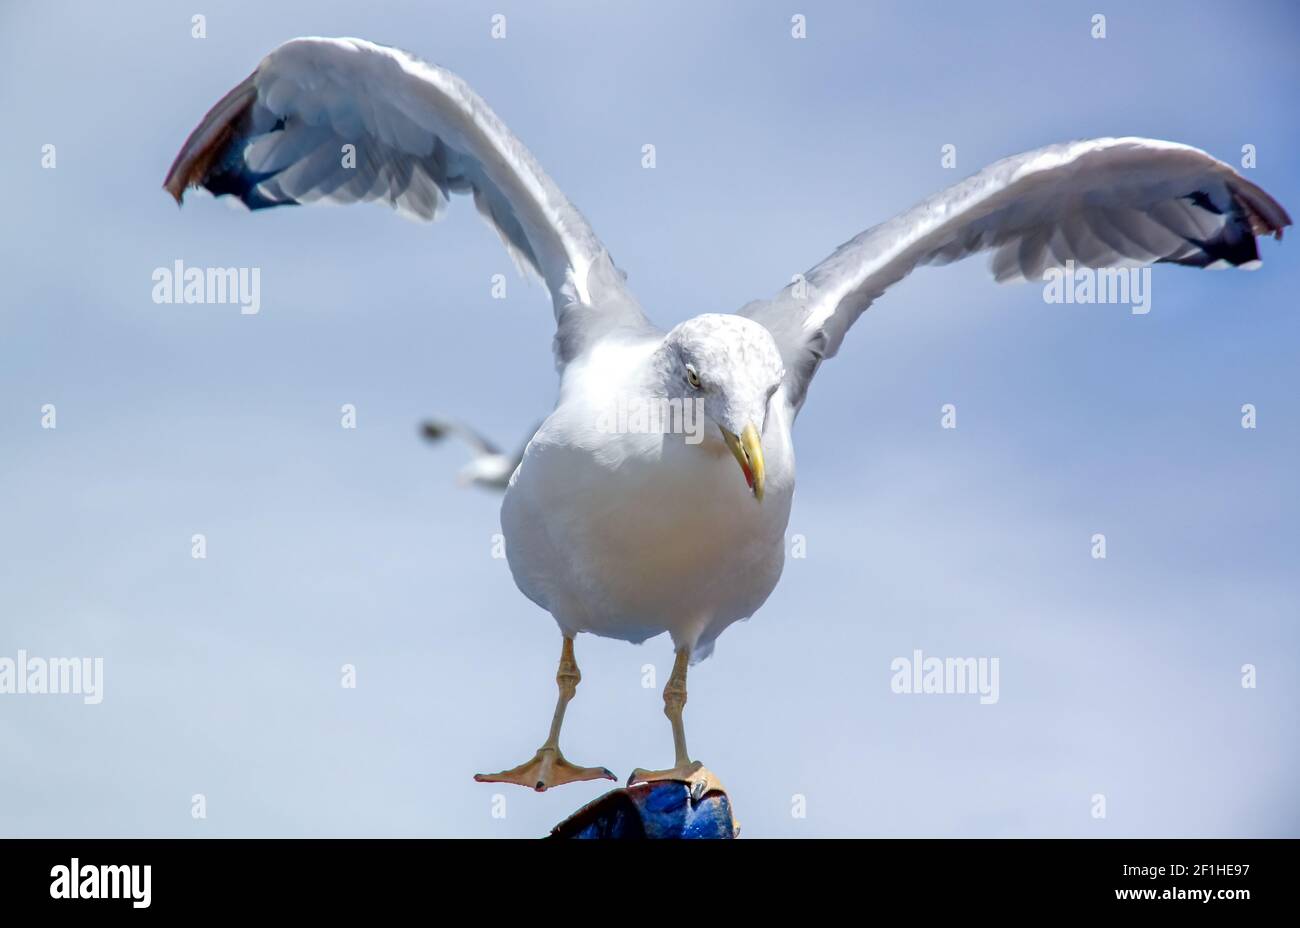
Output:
x=946 y=676
x=1131 y=285
x=654 y=415
x=241 y=286
x=77 y=676
x=88 y=881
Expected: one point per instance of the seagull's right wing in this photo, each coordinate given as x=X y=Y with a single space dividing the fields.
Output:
x=1098 y=203
x=347 y=121
x=518 y=456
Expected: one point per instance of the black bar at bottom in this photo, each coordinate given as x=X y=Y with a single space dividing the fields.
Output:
x=334 y=876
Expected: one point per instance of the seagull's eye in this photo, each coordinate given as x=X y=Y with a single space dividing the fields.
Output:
x=691 y=377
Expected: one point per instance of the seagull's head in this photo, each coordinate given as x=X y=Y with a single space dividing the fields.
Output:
x=729 y=366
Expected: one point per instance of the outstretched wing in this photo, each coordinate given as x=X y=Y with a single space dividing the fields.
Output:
x=435 y=430
x=347 y=121
x=1098 y=203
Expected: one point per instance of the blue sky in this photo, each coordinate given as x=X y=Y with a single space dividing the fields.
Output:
x=328 y=546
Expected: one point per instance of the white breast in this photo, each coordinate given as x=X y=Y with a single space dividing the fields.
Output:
x=631 y=535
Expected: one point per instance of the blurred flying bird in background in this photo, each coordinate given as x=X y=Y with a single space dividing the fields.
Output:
x=489 y=467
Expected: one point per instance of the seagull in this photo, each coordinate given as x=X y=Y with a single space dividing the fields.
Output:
x=627 y=515
x=490 y=467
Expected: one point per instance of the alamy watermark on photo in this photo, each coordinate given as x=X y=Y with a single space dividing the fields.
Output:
x=654 y=415
x=946 y=676
x=1129 y=286
x=38 y=676
x=237 y=286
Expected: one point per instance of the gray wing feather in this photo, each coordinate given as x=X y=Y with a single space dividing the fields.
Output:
x=418 y=135
x=1098 y=203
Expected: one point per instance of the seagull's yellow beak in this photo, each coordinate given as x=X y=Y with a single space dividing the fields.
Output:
x=748 y=450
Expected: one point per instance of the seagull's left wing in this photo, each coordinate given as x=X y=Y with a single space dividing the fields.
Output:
x=347 y=121
x=1098 y=203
